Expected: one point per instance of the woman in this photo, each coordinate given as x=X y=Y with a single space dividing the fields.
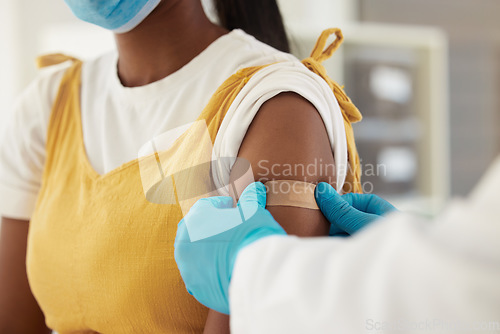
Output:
x=100 y=255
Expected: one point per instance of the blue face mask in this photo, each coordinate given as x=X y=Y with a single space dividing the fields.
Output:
x=116 y=15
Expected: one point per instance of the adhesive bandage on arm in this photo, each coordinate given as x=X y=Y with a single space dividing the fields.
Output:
x=291 y=193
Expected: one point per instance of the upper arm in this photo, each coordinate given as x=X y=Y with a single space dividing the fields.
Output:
x=287 y=132
x=287 y=140
x=19 y=311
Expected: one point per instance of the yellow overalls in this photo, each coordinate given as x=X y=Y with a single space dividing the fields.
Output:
x=100 y=256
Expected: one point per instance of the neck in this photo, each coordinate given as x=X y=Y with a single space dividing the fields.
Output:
x=173 y=34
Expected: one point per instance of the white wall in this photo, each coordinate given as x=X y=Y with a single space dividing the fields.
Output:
x=318 y=13
x=9 y=81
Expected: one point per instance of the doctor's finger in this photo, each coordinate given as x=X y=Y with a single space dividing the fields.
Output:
x=331 y=204
x=339 y=212
x=254 y=193
x=218 y=202
x=369 y=203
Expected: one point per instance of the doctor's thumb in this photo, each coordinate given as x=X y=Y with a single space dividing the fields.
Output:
x=333 y=206
x=254 y=194
x=338 y=211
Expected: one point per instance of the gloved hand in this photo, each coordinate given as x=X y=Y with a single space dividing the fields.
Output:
x=210 y=237
x=349 y=213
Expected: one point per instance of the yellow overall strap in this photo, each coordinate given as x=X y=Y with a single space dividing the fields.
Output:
x=350 y=113
x=53 y=59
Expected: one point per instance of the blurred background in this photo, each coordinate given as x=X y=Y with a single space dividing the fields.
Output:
x=424 y=73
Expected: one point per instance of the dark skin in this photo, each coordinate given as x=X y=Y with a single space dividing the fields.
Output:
x=19 y=311
x=287 y=129
x=173 y=34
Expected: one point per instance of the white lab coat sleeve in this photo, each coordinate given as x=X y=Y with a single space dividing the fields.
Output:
x=401 y=274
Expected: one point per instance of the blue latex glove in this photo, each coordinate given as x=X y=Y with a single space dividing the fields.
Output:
x=210 y=237
x=349 y=213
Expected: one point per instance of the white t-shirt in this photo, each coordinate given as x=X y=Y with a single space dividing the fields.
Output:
x=118 y=120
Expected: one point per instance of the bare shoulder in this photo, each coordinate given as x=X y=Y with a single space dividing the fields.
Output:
x=286 y=136
x=287 y=140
